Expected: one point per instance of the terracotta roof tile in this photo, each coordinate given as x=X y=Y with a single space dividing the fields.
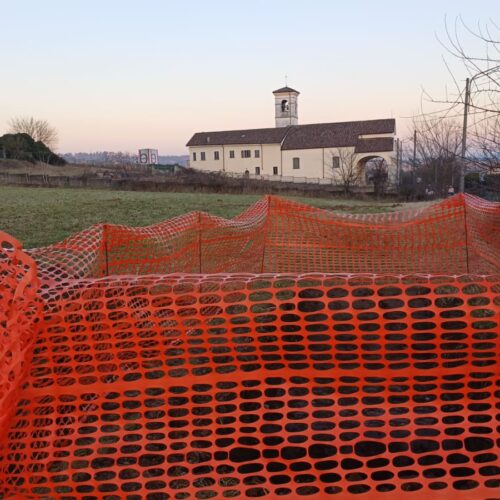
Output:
x=317 y=135
x=376 y=144
x=251 y=136
x=334 y=135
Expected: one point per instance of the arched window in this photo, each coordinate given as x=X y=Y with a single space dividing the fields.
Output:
x=284 y=105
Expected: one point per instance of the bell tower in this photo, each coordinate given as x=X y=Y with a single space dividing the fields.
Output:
x=285 y=107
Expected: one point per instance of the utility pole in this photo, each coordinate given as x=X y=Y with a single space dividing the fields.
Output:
x=461 y=186
x=398 y=164
x=400 y=161
x=414 y=162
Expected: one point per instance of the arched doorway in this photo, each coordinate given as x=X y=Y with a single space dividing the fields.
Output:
x=374 y=171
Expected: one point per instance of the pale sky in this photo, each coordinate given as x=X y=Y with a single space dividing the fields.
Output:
x=121 y=74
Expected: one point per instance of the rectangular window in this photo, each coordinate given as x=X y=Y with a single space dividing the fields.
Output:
x=275 y=170
x=246 y=153
x=296 y=163
x=202 y=156
x=257 y=170
x=257 y=153
x=216 y=155
x=194 y=156
x=231 y=154
x=335 y=162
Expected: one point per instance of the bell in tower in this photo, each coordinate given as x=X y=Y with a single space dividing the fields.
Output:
x=285 y=107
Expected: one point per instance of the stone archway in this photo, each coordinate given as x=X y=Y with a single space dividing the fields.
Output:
x=374 y=172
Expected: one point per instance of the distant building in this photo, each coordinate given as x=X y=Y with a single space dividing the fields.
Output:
x=148 y=156
x=102 y=158
x=290 y=149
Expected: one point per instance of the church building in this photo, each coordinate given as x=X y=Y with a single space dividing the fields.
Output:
x=323 y=151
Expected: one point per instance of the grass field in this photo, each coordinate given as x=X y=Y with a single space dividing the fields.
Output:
x=40 y=216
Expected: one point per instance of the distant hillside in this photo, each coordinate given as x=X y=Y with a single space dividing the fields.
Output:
x=169 y=160
x=119 y=158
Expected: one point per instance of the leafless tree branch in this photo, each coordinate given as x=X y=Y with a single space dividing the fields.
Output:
x=39 y=130
x=343 y=163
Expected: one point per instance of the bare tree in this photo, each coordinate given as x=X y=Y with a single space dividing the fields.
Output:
x=475 y=95
x=344 y=165
x=39 y=130
x=482 y=69
x=438 y=153
x=484 y=141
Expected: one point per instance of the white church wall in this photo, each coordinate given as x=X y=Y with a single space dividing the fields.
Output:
x=310 y=162
x=271 y=157
x=268 y=157
x=314 y=163
x=317 y=162
x=239 y=164
x=210 y=164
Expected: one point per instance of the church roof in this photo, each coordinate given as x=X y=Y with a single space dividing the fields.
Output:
x=286 y=90
x=252 y=136
x=375 y=144
x=316 y=135
x=335 y=135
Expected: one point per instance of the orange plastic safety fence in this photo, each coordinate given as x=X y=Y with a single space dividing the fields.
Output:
x=288 y=384
x=20 y=308
x=228 y=385
x=459 y=235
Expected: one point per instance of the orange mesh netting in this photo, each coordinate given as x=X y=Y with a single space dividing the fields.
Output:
x=20 y=308
x=358 y=360
x=458 y=235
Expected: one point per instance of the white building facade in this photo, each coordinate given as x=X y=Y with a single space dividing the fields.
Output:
x=313 y=151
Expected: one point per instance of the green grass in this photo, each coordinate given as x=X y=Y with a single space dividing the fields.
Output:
x=40 y=216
